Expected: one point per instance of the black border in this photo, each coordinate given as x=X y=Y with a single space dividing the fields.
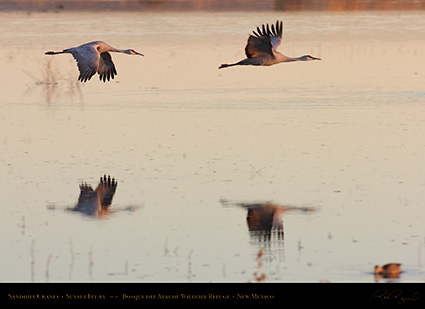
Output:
x=196 y=294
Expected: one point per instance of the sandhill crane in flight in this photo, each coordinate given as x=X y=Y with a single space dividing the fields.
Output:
x=261 y=48
x=94 y=57
x=96 y=202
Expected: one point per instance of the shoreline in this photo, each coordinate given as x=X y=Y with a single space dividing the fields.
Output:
x=209 y=5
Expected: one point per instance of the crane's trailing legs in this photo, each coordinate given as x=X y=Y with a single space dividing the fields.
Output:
x=54 y=53
x=242 y=62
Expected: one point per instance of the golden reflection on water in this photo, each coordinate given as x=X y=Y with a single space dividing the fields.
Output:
x=345 y=135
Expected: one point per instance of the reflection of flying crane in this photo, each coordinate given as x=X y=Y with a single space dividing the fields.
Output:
x=261 y=48
x=96 y=202
x=94 y=57
x=264 y=218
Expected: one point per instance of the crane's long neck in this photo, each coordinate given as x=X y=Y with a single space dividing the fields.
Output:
x=282 y=58
x=116 y=50
x=119 y=51
x=127 y=51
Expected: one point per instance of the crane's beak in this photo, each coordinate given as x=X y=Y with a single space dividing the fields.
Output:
x=316 y=58
x=139 y=54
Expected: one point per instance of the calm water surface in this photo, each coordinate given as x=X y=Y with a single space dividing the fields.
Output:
x=344 y=136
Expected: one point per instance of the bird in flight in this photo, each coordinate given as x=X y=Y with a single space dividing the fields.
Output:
x=96 y=202
x=95 y=57
x=261 y=48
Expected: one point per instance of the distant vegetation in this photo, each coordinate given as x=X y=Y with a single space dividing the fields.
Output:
x=208 y=5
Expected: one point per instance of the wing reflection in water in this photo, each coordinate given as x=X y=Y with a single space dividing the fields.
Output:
x=264 y=219
x=265 y=225
x=96 y=202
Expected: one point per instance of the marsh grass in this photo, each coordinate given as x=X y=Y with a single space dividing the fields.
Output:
x=71 y=264
x=189 y=266
x=91 y=263
x=49 y=258
x=22 y=225
x=54 y=84
x=167 y=251
x=32 y=260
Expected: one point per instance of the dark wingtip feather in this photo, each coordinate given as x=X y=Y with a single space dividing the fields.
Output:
x=273 y=30
x=259 y=31
x=269 y=29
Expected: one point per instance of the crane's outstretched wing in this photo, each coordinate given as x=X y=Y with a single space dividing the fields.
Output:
x=106 y=190
x=265 y=40
x=106 y=67
x=87 y=58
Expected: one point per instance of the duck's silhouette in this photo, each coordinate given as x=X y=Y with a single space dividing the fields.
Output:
x=391 y=270
x=96 y=202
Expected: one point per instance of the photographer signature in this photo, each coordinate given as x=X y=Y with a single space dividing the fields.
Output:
x=396 y=296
